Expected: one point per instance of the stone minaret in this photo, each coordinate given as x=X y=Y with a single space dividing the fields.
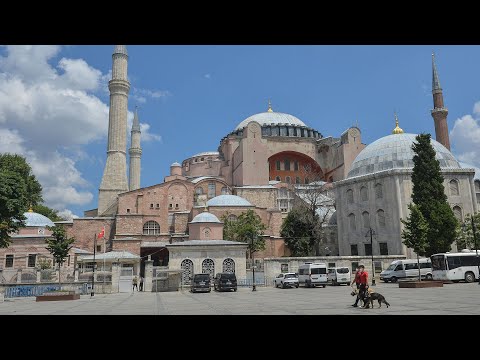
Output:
x=439 y=112
x=135 y=152
x=114 y=180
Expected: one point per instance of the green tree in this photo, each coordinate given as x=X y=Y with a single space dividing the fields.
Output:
x=415 y=233
x=50 y=213
x=246 y=227
x=19 y=189
x=465 y=238
x=296 y=230
x=59 y=245
x=429 y=195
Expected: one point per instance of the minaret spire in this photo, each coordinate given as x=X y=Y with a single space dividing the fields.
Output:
x=135 y=152
x=439 y=112
x=269 y=106
x=114 y=180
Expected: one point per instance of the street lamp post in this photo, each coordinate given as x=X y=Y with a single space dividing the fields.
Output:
x=94 y=263
x=371 y=232
x=254 y=287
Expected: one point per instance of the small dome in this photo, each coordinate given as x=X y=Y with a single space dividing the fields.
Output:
x=205 y=217
x=176 y=164
x=228 y=200
x=395 y=152
x=36 y=219
x=207 y=153
x=267 y=118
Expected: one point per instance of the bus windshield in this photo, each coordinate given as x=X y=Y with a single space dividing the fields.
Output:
x=438 y=262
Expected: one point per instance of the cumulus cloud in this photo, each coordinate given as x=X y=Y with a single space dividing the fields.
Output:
x=67 y=214
x=49 y=111
x=465 y=137
x=141 y=95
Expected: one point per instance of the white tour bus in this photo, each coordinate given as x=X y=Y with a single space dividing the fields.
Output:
x=408 y=268
x=311 y=275
x=455 y=266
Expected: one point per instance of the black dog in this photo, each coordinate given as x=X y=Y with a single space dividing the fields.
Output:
x=369 y=298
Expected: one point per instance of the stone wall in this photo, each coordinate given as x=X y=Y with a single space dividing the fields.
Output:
x=85 y=230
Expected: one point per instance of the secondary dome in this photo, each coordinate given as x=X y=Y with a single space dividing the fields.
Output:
x=36 y=219
x=205 y=217
x=269 y=117
x=228 y=200
x=395 y=152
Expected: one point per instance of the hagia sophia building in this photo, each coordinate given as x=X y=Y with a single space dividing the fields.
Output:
x=178 y=221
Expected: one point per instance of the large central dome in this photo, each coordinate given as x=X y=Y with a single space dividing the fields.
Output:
x=271 y=117
x=395 y=152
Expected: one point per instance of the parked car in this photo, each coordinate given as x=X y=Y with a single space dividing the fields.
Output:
x=200 y=282
x=339 y=275
x=225 y=281
x=311 y=275
x=407 y=268
x=286 y=280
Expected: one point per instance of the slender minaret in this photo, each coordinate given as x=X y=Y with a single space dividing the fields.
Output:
x=114 y=180
x=439 y=112
x=135 y=152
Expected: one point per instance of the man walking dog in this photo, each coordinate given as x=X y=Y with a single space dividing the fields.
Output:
x=361 y=280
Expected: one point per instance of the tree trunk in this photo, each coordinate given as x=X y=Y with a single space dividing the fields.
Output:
x=418 y=264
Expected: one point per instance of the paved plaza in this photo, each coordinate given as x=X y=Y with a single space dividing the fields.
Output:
x=452 y=299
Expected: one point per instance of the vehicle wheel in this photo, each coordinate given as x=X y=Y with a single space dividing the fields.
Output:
x=393 y=279
x=428 y=277
x=469 y=277
x=385 y=281
x=323 y=286
x=283 y=286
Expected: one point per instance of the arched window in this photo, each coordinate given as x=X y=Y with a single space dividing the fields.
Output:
x=350 y=196
x=351 y=221
x=287 y=164
x=378 y=191
x=287 y=180
x=151 y=228
x=232 y=218
x=457 y=212
x=225 y=191
x=363 y=193
x=208 y=267
x=454 y=187
x=381 y=218
x=187 y=270
x=366 y=219
x=278 y=178
x=228 y=266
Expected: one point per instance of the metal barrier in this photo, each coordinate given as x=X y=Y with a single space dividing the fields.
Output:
x=249 y=282
x=36 y=290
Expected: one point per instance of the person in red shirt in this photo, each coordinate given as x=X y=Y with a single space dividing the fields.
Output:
x=356 y=280
x=363 y=279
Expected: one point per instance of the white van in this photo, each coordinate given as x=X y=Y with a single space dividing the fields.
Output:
x=408 y=268
x=312 y=275
x=339 y=276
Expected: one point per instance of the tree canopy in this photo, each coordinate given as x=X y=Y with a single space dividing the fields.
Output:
x=244 y=228
x=429 y=195
x=296 y=230
x=19 y=189
x=465 y=238
x=59 y=244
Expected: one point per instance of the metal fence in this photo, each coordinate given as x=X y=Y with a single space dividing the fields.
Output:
x=36 y=290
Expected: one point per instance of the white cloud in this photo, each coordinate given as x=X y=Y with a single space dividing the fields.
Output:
x=465 y=137
x=67 y=214
x=141 y=95
x=11 y=142
x=145 y=135
x=476 y=108
x=79 y=75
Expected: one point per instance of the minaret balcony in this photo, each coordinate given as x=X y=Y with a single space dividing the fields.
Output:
x=439 y=110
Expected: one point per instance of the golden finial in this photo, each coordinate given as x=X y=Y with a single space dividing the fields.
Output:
x=269 y=106
x=397 y=129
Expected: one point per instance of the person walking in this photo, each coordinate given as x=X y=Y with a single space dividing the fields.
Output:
x=141 y=283
x=363 y=277
x=356 y=280
x=134 y=283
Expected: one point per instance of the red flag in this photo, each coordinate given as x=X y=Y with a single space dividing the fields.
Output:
x=101 y=234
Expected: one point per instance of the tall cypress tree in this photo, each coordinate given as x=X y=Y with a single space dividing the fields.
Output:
x=429 y=196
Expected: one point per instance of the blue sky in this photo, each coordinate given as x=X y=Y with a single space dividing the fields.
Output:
x=54 y=101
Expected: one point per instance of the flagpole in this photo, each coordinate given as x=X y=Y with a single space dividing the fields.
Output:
x=104 y=249
x=93 y=278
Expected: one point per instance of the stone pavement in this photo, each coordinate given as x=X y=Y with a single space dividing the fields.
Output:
x=453 y=299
